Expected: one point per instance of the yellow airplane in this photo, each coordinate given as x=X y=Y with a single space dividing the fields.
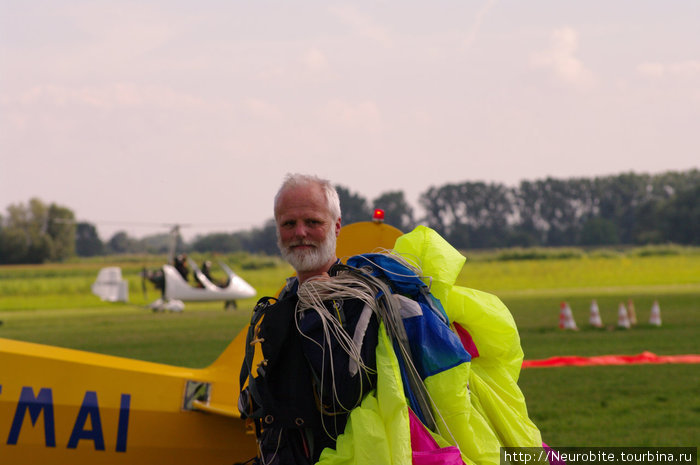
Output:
x=63 y=406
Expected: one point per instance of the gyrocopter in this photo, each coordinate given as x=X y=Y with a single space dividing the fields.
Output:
x=172 y=280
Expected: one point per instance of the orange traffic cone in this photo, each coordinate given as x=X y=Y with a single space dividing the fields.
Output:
x=631 y=314
x=566 y=317
x=594 y=319
x=562 y=315
x=655 y=317
x=623 y=320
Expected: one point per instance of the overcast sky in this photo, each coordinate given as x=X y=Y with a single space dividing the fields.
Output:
x=146 y=112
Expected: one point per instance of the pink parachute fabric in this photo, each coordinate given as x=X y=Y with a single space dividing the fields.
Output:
x=553 y=459
x=467 y=340
x=600 y=360
x=425 y=449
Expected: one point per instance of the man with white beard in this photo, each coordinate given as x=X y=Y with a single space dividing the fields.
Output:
x=300 y=395
x=307 y=213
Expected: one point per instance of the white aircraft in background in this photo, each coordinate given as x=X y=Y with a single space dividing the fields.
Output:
x=172 y=280
x=177 y=290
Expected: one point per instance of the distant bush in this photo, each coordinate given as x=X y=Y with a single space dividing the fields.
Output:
x=539 y=253
x=249 y=261
x=605 y=253
x=667 y=249
x=236 y=260
x=562 y=253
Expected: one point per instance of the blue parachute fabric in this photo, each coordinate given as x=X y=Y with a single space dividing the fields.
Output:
x=434 y=346
x=403 y=280
x=436 y=304
x=410 y=396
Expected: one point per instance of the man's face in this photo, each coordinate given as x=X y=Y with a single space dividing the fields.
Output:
x=306 y=231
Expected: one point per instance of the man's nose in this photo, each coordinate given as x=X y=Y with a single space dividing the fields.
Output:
x=300 y=230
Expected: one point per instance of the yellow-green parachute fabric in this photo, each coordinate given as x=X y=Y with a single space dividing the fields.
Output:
x=478 y=405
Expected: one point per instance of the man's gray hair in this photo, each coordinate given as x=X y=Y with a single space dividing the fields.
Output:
x=296 y=180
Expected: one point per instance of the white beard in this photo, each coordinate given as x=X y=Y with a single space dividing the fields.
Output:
x=311 y=259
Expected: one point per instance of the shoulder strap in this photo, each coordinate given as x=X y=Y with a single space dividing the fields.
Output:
x=251 y=407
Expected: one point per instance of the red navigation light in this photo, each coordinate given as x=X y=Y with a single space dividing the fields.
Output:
x=378 y=216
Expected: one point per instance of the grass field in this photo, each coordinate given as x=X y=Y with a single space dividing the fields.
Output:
x=639 y=405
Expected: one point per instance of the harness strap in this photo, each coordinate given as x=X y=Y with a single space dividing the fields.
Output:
x=251 y=405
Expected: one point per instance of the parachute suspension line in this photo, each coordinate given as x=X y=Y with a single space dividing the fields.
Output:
x=312 y=294
x=405 y=349
x=411 y=265
x=352 y=282
x=403 y=259
x=390 y=315
x=277 y=448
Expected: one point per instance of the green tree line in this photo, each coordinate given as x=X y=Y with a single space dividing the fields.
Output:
x=37 y=232
x=621 y=209
x=628 y=208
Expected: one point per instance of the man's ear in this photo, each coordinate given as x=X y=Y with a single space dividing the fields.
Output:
x=337 y=227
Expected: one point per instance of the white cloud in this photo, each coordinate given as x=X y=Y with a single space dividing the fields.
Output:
x=263 y=109
x=315 y=60
x=272 y=73
x=363 y=116
x=316 y=64
x=363 y=25
x=684 y=69
x=561 y=59
x=651 y=69
x=110 y=96
x=478 y=20
x=307 y=65
x=126 y=29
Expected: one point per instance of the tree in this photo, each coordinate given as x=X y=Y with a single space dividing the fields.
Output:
x=35 y=233
x=160 y=243
x=27 y=223
x=662 y=216
x=397 y=212
x=530 y=227
x=561 y=212
x=87 y=241
x=121 y=243
x=620 y=198
x=260 y=240
x=353 y=206
x=599 y=231
x=470 y=214
x=438 y=211
x=60 y=226
x=13 y=246
x=681 y=218
x=216 y=242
